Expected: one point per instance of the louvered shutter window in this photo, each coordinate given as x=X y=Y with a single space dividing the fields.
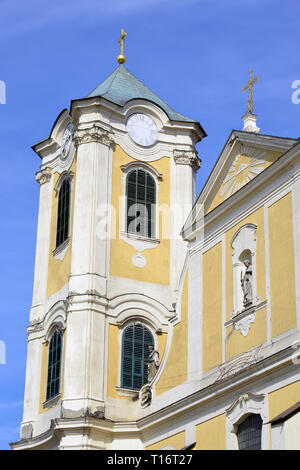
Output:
x=141 y=199
x=135 y=351
x=63 y=212
x=54 y=365
x=249 y=433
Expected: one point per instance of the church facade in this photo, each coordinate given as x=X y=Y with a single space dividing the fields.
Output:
x=162 y=321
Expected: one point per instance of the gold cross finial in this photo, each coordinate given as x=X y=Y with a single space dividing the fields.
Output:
x=249 y=86
x=121 y=58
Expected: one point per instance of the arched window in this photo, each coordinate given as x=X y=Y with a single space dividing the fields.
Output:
x=135 y=350
x=54 y=365
x=63 y=212
x=141 y=199
x=249 y=433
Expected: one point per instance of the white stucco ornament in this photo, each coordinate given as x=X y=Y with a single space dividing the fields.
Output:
x=139 y=260
x=142 y=129
x=66 y=140
x=244 y=323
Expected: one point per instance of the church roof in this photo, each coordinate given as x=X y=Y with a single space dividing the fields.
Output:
x=121 y=86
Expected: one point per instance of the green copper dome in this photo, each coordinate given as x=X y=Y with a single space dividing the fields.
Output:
x=121 y=86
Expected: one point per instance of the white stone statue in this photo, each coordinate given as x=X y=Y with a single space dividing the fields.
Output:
x=246 y=283
x=153 y=363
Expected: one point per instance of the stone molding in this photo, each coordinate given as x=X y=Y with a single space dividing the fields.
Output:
x=244 y=405
x=238 y=364
x=138 y=164
x=93 y=134
x=183 y=157
x=35 y=326
x=55 y=317
x=43 y=176
x=243 y=324
x=242 y=320
x=127 y=392
x=52 y=401
x=61 y=250
x=66 y=174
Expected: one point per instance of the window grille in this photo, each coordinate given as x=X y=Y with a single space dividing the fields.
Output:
x=141 y=199
x=63 y=212
x=135 y=352
x=249 y=433
x=54 y=365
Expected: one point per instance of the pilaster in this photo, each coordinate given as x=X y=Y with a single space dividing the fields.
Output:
x=89 y=266
x=85 y=353
x=83 y=390
x=186 y=164
x=44 y=178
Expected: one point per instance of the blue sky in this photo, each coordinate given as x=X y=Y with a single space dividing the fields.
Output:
x=194 y=54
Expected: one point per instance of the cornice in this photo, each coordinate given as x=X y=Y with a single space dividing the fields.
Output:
x=45 y=147
x=97 y=102
x=265 y=141
x=219 y=387
x=36 y=440
x=185 y=405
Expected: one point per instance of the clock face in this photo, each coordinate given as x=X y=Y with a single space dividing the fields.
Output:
x=142 y=129
x=66 y=140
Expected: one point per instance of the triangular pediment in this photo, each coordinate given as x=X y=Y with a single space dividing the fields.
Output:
x=245 y=156
x=244 y=163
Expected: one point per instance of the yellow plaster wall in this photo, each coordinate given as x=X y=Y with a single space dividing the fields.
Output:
x=157 y=269
x=282 y=399
x=217 y=199
x=211 y=435
x=59 y=270
x=212 y=307
x=282 y=266
x=113 y=379
x=236 y=343
x=177 y=441
x=175 y=370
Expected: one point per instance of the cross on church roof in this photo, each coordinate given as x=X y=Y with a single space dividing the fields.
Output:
x=121 y=58
x=249 y=86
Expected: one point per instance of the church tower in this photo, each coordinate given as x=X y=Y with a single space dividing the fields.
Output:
x=117 y=181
